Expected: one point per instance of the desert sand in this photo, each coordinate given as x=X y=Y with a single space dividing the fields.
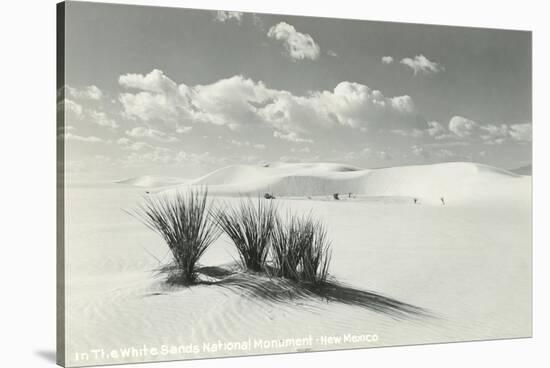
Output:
x=467 y=263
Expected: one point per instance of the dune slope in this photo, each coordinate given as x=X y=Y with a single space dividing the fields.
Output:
x=456 y=182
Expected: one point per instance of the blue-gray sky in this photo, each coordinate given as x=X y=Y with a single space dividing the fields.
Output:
x=164 y=91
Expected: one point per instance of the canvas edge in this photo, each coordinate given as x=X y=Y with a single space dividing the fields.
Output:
x=60 y=184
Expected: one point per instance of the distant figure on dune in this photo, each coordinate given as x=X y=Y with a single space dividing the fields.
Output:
x=336 y=196
x=442 y=200
x=415 y=200
x=349 y=195
x=269 y=196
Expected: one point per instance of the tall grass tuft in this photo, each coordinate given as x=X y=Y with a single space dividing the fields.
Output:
x=184 y=222
x=316 y=256
x=250 y=226
x=289 y=240
x=300 y=249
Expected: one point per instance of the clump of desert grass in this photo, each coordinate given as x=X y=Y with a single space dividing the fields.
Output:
x=184 y=221
x=301 y=250
x=316 y=255
x=250 y=226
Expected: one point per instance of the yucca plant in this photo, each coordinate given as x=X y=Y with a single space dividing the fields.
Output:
x=316 y=256
x=250 y=226
x=184 y=221
x=300 y=249
x=291 y=236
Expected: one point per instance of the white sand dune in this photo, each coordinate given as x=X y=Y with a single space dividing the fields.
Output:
x=149 y=181
x=469 y=263
x=456 y=182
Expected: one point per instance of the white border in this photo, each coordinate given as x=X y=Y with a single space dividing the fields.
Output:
x=28 y=180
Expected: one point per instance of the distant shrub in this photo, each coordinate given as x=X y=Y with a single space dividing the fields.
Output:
x=184 y=222
x=250 y=226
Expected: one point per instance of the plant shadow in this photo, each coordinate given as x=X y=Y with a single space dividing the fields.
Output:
x=279 y=290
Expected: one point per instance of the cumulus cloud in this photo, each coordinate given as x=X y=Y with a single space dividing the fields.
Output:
x=521 y=132
x=490 y=133
x=238 y=101
x=332 y=53
x=436 y=130
x=101 y=119
x=462 y=126
x=224 y=16
x=421 y=64
x=155 y=81
x=71 y=107
x=387 y=59
x=299 y=45
x=87 y=93
x=80 y=113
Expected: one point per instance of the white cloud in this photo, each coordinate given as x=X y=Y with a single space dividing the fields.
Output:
x=494 y=134
x=238 y=101
x=247 y=144
x=421 y=64
x=436 y=130
x=223 y=16
x=429 y=152
x=299 y=46
x=332 y=53
x=155 y=81
x=490 y=133
x=100 y=118
x=86 y=93
x=419 y=151
x=88 y=139
x=150 y=133
x=71 y=107
x=462 y=126
x=387 y=59
x=521 y=132
x=291 y=137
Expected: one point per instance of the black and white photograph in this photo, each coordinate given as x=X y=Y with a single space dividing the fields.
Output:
x=237 y=184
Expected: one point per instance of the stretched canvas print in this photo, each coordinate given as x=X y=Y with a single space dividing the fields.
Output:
x=237 y=184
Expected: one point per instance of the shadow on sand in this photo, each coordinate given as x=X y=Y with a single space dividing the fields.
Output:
x=275 y=289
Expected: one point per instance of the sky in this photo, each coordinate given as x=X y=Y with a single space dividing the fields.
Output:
x=180 y=92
